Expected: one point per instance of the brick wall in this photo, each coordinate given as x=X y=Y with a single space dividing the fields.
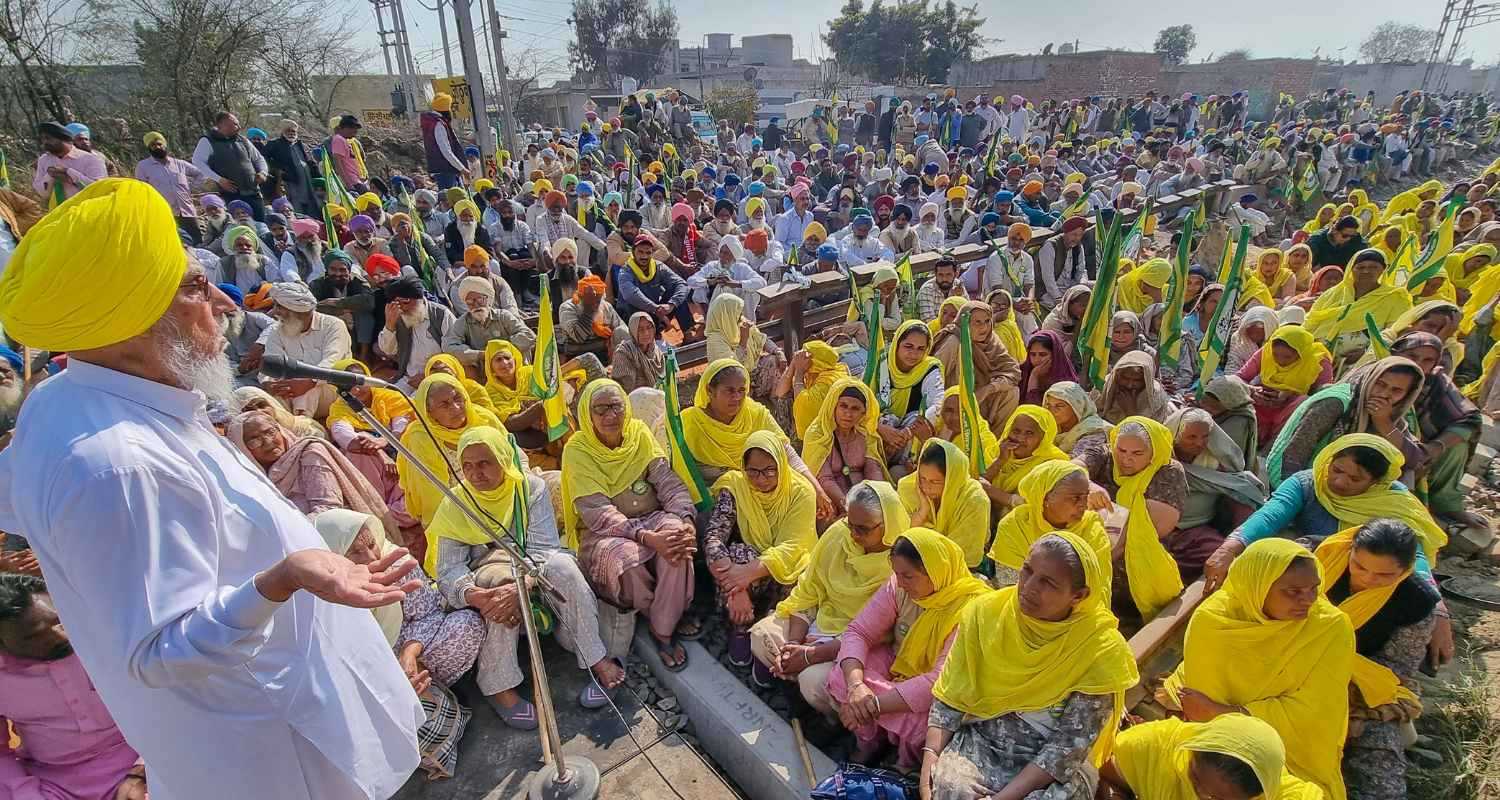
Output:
x=1106 y=73
x=1263 y=78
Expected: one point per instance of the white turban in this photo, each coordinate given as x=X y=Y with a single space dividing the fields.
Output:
x=476 y=284
x=293 y=297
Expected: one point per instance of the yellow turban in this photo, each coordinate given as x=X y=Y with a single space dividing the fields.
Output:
x=366 y=200
x=153 y=137
x=485 y=183
x=957 y=192
x=442 y=101
x=57 y=294
x=538 y=188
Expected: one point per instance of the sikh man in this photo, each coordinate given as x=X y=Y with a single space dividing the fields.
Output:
x=367 y=241
x=424 y=257
x=215 y=221
x=414 y=328
x=433 y=220
x=218 y=614
x=62 y=170
x=243 y=330
x=465 y=231
x=345 y=295
x=305 y=256
x=478 y=264
x=175 y=179
x=245 y=266
x=481 y=322
x=859 y=247
x=302 y=333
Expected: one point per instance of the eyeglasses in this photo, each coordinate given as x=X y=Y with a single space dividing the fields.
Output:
x=196 y=288
x=263 y=440
x=607 y=409
x=768 y=473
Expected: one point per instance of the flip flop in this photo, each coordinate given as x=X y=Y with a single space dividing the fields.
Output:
x=689 y=636
x=521 y=716
x=739 y=648
x=591 y=697
x=668 y=648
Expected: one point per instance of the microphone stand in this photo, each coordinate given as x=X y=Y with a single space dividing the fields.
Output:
x=560 y=778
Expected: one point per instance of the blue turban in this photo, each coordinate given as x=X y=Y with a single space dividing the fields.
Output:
x=731 y=179
x=76 y=129
x=920 y=140
x=931 y=168
x=471 y=151
x=585 y=188
x=256 y=133
x=989 y=218
x=654 y=188
x=828 y=252
x=13 y=357
x=238 y=205
x=1004 y=197
x=862 y=219
x=234 y=293
x=757 y=188
x=708 y=172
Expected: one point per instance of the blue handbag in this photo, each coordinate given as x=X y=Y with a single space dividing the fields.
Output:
x=858 y=782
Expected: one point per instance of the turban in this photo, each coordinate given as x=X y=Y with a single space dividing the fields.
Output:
x=585 y=189
x=1031 y=187
x=442 y=101
x=957 y=192
x=238 y=232
x=293 y=297
x=682 y=211
x=569 y=180
x=360 y=222
x=239 y=205
x=1019 y=229
x=612 y=198
x=425 y=194
x=455 y=194
x=274 y=218
x=1130 y=187
x=1004 y=197
x=1073 y=187
x=757 y=240
x=338 y=212
x=154 y=137
x=798 y=190
x=816 y=231
x=76 y=129
x=366 y=200
x=863 y=219
x=281 y=205
x=260 y=299
x=828 y=252
x=756 y=188
x=212 y=201
x=476 y=284
x=555 y=199
x=484 y=184
x=252 y=134
x=1074 y=223
x=562 y=245
x=339 y=254
x=901 y=210
x=753 y=205
x=398 y=218
x=465 y=205
x=540 y=187
x=989 y=218
x=380 y=264
x=234 y=293
x=475 y=256
x=589 y=286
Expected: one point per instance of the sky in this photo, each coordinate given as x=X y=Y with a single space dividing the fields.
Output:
x=1287 y=28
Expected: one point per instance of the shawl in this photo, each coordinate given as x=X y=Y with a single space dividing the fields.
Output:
x=840 y=576
x=991 y=360
x=1380 y=500
x=1278 y=279
x=963 y=509
x=1304 y=273
x=505 y=504
x=721 y=328
x=1089 y=421
x=472 y=388
x=1241 y=346
x=1154 y=758
x=1337 y=311
x=780 y=526
x=1307 y=299
x=717 y=444
x=1154 y=273
x=354 y=488
x=422 y=499
x=589 y=466
x=1013 y=469
x=1350 y=393
x=1300 y=376
x=1060 y=368
x=819 y=441
x=387 y=405
x=1023 y=525
x=1004 y=661
x=1294 y=674
x=1152 y=401
x=1377 y=684
x=1220 y=469
x=339 y=527
x=639 y=361
x=903 y=381
x=823 y=369
x=1154 y=577
x=506 y=400
x=1058 y=319
x=300 y=426
x=1458 y=276
x=953 y=587
x=1138 y=331
x=1408 y=320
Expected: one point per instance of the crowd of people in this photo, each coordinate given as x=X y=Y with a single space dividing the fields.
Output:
x=929 y=522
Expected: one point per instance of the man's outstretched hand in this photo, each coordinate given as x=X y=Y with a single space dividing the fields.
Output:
x=334 y=578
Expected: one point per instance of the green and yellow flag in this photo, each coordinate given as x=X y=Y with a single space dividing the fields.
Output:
x=546 y=375
x=4 y=171
x=680 y=456
x=1216 y=343
x=908 y=287
x=1378 y=345
x=1093 y=337
x=968 y=405
x=1430 y=263
x=874 y=343
x=1170 y=350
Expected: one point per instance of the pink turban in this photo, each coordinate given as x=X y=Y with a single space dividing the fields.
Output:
x=306 y=227
x=682 y=211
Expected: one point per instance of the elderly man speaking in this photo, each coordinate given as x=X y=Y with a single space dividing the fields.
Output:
x=222 y=634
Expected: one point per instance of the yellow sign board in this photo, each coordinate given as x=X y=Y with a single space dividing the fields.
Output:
x=458 y=87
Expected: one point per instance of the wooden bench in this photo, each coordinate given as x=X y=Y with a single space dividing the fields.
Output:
x=1157 y=645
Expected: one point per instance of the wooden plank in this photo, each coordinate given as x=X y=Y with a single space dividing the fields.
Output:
x=1156 y=636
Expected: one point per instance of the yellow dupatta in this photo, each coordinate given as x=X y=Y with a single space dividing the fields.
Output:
x=963 y=512
x=1376 y=682
x=935 y=325
x=473 y=388
x=1475 y=390
x=1258 y=288
x=1023 y=525
x=1007 y=329
x=1404 y=324
x=1293 y=674
x=987 y=441
x=824 y=369
x=817 y=445
x=1153 y=758
x=904 y=381
x=642 y=274
x=505 y=399
x=1154 y=273
x=721 y=329
x=717 y=444
x=387 y=405
x=1380 y=500
x=1012 y=469
x=505 y=503
x=1318 y=223
x=1337 y=311
x=1300 y=376
x=589 y=466
x=422 y=499
x=780 y=526
x=1454 y=265
x=1004 y=661
x=1153 y=575
x=841 y=576
x=953 y=588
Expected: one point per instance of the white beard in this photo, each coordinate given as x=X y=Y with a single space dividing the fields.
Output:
x=247 y=262
x=757 y=224
x=11 y=396
x=466 y=231
x=233 y=324
x=415 y=318
x=481 y=314
x=207 y=373
x=294 y=326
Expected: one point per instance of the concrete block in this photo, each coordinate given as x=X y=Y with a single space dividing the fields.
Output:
x=1490 y=434
x=1471 y=541
x=1479 y=463
x=753 y=744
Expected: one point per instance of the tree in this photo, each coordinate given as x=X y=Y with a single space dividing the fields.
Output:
x=1239 y=54
x=614 y=39
x=905 y=42
x=734 y=102
x=1397 y=41
x=1175 y=43
x=525 y=71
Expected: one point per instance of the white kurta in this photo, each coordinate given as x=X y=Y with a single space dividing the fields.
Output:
x=151 y=528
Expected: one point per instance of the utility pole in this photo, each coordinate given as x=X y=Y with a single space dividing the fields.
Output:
x=507 y=113
x=443 y=28
x=474 y=75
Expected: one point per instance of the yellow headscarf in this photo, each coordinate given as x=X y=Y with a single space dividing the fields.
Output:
x=1256 y=288
x=841 y=576
x=473 y=388
x=1454 y=265
x=503 y=399
x=780 y=526
x=1293 y=674
x=953 y=588
x=1154 y=273
x=717 y=444
x=818 y=444
x=824 y=369
x=934 y=325
x=1007 y=329
x=1337 y=311
x=987 y=441
x=386 y=404
x=963 y=513
x=1012 y=469
x=1154 y=757
x=589 y=466
x=1475 y=390
x=100 y=268
x=1377 y=683
x=433 y=449
x=1023 y=525
x=1300 y=376
x=1481 y=294
x=721 y=327
x=1004 y=661
x=1380 y=500
x=505 y=503
x=643 y=274
x=1402 y=203
x=1153 y=576
x=904 y=381
x=1317 y=223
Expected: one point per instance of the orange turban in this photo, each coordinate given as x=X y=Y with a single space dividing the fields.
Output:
x=474 y=256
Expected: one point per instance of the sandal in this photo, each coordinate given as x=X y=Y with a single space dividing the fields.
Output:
x=739 y=648
x=591 y=697
x=521 y=716
x=671 y=648
x=688 y=630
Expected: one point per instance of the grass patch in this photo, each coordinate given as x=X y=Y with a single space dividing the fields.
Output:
x=1464 y=728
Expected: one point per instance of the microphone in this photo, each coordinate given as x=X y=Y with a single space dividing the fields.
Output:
x=283 y=367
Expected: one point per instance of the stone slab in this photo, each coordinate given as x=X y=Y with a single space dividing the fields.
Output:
x=748 y=739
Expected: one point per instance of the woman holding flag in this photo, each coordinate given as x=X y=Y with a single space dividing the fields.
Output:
x=1341 y=317
x=996 y=374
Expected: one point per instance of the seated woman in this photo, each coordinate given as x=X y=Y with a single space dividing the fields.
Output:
x=1028 y=441
x=1138 y=471
x=1281 y=374
x=434 y=645
x=759 y=533
x=1269 y=645
x=1034 y=686
x=1144 y=285
x=1127 y=335
x=1067 y=317
x=1079 y=426
x=1440 y=318
x=448 y=364
x=629 y=517
x=1054 y=498
x=800 y=640
x=508 y=382
x=1232 y=755
x=947 y=313
x=1338 y=315
x=1250 y=334
x=1228 y=399
x=1009 y=326
x=1466 y=267
x=1131 y=389
x=253 y=398
x=444 y=407
x=842 y=446
x=731 y=335
x=893 y=651
x=1049 y=362
x=1368 y=573
x=981 y=449
x=309 y=472
x=996 y=374
x=1322 y=282
x=942 y=496
x=1270 y=282
x=1374 y=398
x=808 y=377
x=368 y=451
x=1195 y=325
x=910 y=382
x=473 y=572
x=1299 y=261
x=1222 y=492
x=639 y=360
